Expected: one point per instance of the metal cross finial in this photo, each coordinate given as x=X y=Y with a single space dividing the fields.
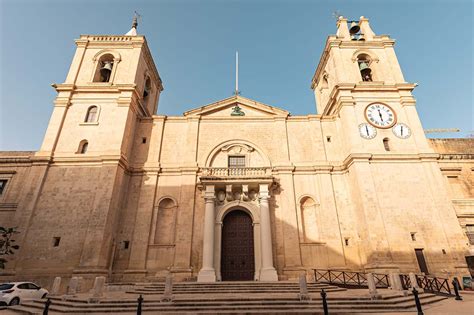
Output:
x=135 y=19
x=336 y=14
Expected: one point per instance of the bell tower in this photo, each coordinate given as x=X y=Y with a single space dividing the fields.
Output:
x=368 y=110
x=111 y=84
x=359 y=80
x=100 y=115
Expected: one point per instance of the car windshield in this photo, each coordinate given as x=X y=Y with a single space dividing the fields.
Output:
x=5 y=286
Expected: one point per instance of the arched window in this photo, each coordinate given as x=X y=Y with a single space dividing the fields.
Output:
x=83 y=145
x=364 y=67
x=386 y=144
x=91 y=115
x=104 y=68
x=147 y=88
x=165 y=222
x=309 y=215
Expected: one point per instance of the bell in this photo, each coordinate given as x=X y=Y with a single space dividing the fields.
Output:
x=106 y=70
x=364 y=67
x=355 y=28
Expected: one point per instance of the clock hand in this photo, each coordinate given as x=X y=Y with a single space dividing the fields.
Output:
x=380 y=114
x=401 y=129
x=367 y=130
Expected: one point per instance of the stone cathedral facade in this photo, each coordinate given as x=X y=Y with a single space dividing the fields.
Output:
x=237 y=189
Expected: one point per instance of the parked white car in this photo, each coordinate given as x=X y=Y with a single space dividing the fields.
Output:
x=13 y=293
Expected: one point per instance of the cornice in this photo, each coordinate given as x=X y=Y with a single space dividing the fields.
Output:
x=380 y=41
x=337 y=98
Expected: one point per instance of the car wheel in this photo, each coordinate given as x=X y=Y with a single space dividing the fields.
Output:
x=15 y=301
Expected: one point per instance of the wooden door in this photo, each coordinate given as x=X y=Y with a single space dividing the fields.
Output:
x=421 y=260
x=237 y=251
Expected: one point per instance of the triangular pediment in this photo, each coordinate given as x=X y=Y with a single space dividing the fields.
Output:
x=247 y=108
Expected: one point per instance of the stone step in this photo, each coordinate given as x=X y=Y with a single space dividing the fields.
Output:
x=153 y=291
x=246 y=299
x=271 y=305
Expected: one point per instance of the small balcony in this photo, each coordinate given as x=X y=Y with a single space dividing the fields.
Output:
x=235 y=173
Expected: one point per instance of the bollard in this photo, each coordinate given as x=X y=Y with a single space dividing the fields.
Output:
x=303 y=295
x=139 y=307
x=456 y=289
x=56 y=286
x=46 y=306
x=168 y=293
x=372 y=286
x=325 y=303
x=417 y=302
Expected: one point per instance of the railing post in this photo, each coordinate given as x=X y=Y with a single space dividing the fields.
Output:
x=329 y=275
x=417 y=302
x=456 y=289
x=139 y=307
x=344 y=277
x=358 y=278
x=46 y=306
x=325 y=303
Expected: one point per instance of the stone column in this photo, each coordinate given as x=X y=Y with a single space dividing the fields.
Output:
x=208 y=273
x=267 y=272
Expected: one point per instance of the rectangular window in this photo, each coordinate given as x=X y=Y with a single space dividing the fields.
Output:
x=470 y=233
x=3 y=184
x=236 y=161
x=56 y=241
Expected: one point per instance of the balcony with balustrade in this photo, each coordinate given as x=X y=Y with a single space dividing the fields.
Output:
x=236 y=174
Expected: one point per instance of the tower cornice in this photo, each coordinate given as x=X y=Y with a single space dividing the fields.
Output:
x=110 y=41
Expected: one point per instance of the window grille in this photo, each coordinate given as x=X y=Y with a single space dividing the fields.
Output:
x=236 y=161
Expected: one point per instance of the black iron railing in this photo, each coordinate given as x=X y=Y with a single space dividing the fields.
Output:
x=434 y=284
x=359 y=279
x=406 y=281
x=349 y=278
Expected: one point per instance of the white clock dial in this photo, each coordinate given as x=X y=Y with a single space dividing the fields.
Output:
x=401 y=131
x=380 y=115
x=367 y=131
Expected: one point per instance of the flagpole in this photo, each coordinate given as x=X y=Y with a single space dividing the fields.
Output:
x=236 y=73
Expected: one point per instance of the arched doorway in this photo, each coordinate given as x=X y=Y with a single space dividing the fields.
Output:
x=237 y=251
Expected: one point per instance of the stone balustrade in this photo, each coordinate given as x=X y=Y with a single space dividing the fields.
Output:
x=235 y=172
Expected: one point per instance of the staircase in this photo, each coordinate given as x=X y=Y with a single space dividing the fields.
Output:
x=231 y=298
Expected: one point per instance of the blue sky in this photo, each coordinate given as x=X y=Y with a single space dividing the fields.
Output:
x=194 y=42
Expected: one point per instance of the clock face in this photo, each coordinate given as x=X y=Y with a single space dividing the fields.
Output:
x=367 y=131
x=380 y=115
x=401 y=131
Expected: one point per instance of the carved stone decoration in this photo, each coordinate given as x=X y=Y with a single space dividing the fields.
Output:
x=228 y=190
x=245 y=192
x=221 y=196
x=253 y=195
x=237 y=195
x=237 y=111
x=240 y=146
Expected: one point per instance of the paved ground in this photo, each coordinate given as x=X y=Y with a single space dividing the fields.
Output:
x=449 y=306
